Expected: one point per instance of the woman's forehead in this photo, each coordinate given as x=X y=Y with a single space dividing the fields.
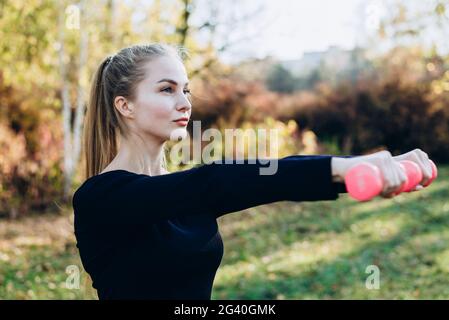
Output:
x=167 y=68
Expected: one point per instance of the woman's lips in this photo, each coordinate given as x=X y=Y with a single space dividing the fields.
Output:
x=182 y=122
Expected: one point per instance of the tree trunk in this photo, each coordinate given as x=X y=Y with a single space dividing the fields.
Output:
x=72 y=140
x=66 y=106
x=82 y=84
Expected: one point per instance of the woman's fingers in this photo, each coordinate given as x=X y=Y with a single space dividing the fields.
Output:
x=417 y=188
x=397 y=175
x=421 y=159
x=392 y=180
x=425 y=166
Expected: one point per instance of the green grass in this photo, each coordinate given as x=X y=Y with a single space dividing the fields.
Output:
x=34 y=254
x=285 y=250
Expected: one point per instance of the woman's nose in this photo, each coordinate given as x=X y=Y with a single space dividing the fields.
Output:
x=184 y=105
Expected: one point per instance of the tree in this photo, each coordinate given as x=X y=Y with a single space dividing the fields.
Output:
x=280 y=79
x=77 y=16
x=54 y=47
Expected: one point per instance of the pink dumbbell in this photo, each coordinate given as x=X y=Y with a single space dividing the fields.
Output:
x=364 y=181
x=413 y=173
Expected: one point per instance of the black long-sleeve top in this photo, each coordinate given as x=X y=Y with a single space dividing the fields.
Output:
x=156 y=237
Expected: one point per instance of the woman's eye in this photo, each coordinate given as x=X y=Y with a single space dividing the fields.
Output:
x=186 y=91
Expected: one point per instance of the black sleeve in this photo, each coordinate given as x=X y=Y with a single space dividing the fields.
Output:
x=339 y=186
x=216 y=189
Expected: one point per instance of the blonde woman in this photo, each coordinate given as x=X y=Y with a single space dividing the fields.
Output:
x=145 y=233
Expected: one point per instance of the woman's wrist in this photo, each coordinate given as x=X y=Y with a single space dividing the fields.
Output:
x=339 y=167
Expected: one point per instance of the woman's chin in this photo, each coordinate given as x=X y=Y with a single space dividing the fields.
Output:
x=178 y=134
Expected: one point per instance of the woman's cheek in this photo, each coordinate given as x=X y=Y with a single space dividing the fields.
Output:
x=156 y=109
x=160 y=108
x=162 y=112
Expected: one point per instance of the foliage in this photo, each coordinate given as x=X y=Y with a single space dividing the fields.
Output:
x=280 y=79
x=30 y=173
x=401 y=105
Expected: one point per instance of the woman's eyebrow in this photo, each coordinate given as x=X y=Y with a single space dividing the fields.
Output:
x=171 y=81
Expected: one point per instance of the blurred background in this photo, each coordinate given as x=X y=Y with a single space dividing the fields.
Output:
x=333 y=77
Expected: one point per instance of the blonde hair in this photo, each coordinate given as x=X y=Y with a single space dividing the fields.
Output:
x=117 y=75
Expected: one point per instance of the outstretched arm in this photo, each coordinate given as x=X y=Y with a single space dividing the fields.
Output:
x=217 y=189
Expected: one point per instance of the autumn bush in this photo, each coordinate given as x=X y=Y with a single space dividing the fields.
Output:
x=30 y=144
x=398 y=107
x=400 y=103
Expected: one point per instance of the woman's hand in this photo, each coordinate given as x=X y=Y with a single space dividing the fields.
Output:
x=422 y=160
x=393 y=174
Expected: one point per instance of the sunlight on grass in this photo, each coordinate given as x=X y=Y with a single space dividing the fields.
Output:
x=34 y=254
x=379 y=227
x=300 y=257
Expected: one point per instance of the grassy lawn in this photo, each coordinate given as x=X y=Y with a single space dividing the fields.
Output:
x=283 y=250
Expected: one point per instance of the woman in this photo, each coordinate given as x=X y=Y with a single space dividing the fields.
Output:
x=145 y=233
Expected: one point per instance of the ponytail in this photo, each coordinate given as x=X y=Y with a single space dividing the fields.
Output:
x=99 y=135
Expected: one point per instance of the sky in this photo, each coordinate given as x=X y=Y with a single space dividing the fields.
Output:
x=287 y=28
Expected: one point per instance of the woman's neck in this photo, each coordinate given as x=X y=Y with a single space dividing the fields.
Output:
x=140 y=156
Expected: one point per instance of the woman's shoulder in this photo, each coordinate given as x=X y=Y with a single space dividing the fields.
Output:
x=101 y=184
x=98 y=185
x=94 y=186
x=106 y=175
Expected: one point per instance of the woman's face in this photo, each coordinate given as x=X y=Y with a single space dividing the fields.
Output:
x=161 y=98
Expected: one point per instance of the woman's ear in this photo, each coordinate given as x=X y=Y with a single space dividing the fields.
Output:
x=124 y=106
